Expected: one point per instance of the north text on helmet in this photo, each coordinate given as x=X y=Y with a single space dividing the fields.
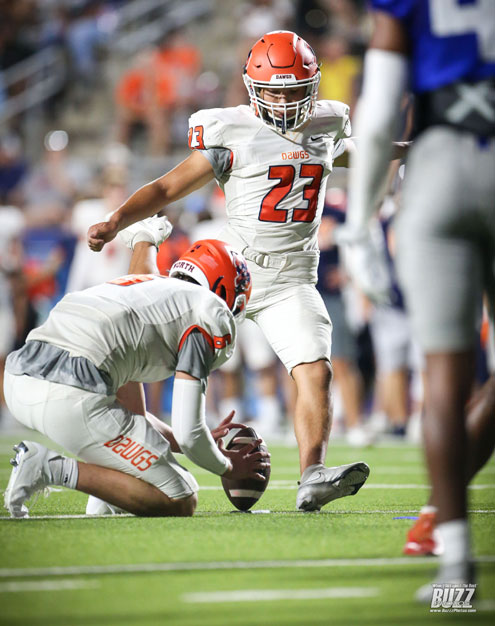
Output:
x=183 y=265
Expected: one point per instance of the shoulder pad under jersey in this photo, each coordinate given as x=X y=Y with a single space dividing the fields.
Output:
x=332 y=115
x=218 y=128
x=215 y=318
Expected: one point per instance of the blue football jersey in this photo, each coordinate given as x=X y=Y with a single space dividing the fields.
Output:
x=451 y=40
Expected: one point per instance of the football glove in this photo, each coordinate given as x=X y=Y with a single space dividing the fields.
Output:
x=152 y=229
x=365 y=260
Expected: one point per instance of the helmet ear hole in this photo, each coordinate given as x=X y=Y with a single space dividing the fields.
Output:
x=223 y=293
x=219 y=288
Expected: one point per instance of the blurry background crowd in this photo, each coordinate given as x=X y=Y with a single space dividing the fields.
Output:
x=94 y=101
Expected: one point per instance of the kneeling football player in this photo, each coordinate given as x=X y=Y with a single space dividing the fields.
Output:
x=77 y=381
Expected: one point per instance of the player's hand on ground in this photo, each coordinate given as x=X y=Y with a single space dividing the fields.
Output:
x=225 y=426
x=247 y=462
x=100 y=234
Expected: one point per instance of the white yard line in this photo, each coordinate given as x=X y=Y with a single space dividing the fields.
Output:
x=211 y=513
x=268 y=595
x=134 y=568
x=398 y=470
x=395 y=470
x=289 y=484
x=46 y=585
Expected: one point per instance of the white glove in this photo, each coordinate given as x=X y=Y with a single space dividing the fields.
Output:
x=365 y=260
x=152 y=229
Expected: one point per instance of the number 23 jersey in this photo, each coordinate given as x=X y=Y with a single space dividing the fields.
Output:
x=274 y=184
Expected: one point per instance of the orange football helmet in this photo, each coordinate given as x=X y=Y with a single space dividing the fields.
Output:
x=282 y=59
x=221 y=269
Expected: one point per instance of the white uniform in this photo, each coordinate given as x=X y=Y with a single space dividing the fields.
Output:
x=275 y=189
x=137 y=328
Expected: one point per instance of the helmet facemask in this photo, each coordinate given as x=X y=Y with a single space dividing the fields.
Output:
x=284 y=116
x=282 y=60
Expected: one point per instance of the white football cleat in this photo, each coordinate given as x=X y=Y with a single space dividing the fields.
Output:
x=359 y=437
x=152 y=229
x=458 y=574
x=29 y=475
x=95 y=506
x=321 y=485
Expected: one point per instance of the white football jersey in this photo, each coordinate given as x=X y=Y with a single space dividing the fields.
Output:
x=274 y=184
x=133 y=327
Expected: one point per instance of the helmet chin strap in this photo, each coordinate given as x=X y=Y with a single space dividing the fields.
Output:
x=279 y=123
x=239 y=308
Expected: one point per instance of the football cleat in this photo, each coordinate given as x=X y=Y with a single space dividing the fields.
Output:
x=458 y=574
x=95 y=506
x=423 y=538
x=30 y=474
x=324 y=484
x=359 y=437
x=152 y=229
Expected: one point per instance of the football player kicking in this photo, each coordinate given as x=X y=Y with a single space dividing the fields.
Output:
x=446 y=228
x=272 y=160
x=71 y=381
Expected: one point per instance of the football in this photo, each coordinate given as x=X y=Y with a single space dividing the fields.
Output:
x=246 y=492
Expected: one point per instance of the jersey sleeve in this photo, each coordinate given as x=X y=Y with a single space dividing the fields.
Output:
x=224 y=334
x=340 y=111
x=206 y=134
x=209 y=343
x=196 y=355
x=400 y=9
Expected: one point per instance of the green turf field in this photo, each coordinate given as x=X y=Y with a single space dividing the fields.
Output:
x=341 y=566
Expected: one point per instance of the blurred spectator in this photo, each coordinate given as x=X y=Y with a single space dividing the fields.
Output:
x=87 y=268
x=254 y=19
x=15 y=42
x=84 y=38
x=257 y=17
x=340 y=71
x=12 y=224
x=397 y=355
x=331 y=281
x=13 y=169
x=48 y=253
x=312 y=18
x=160 y=83
x=55 y=183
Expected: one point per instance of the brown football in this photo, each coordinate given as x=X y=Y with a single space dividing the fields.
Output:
x=246 y=492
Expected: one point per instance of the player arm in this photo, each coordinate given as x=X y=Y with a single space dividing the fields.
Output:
x=131 y=395
x=189 y=425
x=191 y=174
x=143 y=259
x=195 y=360
x=385 y=77
x=351 y=146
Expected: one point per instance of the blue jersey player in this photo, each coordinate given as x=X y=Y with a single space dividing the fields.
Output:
x=444 y=52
